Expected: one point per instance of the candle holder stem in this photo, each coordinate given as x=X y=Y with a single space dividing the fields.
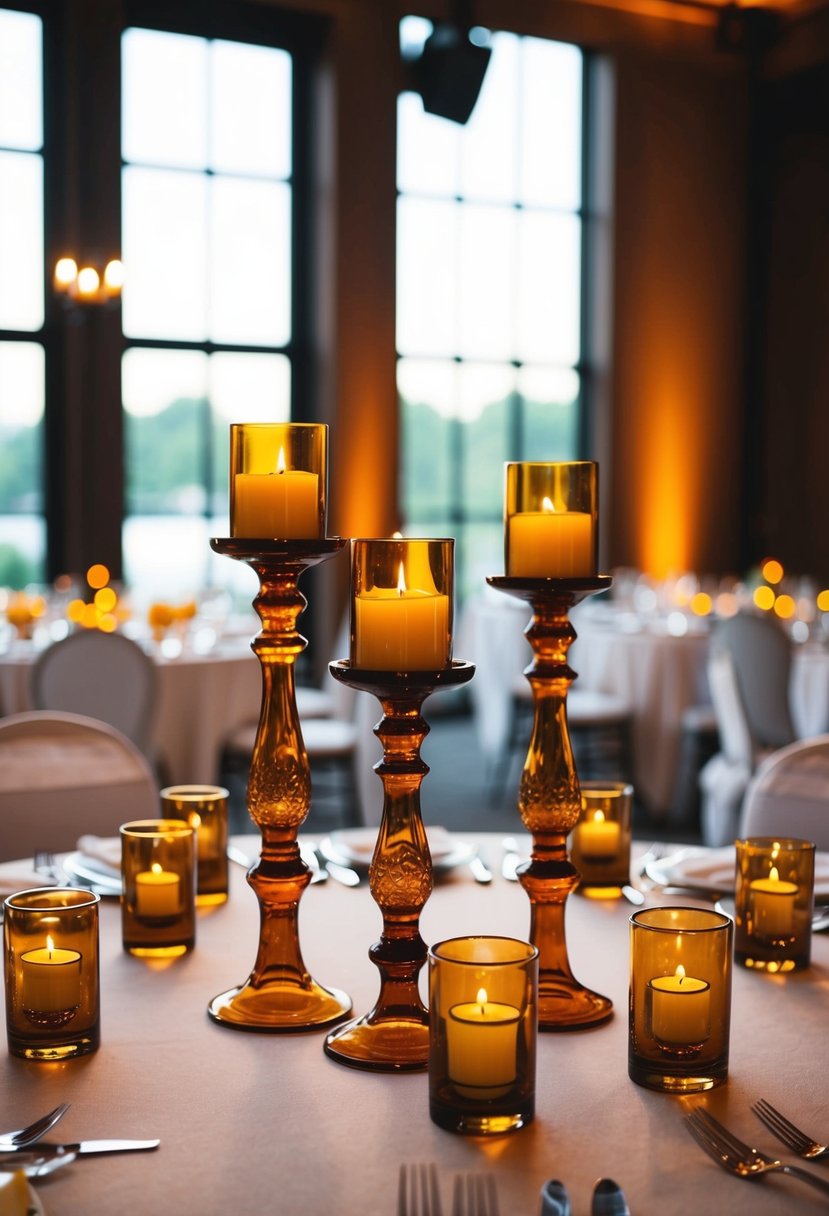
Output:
x=279 y=995
x=549 y=798
x=394 y=1035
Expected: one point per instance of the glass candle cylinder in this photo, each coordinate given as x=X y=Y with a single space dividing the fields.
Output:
x=278 y=480
x=204 y=807
x=551 y=519
x=773 y=903
x=680 y=998
x=51 y=973
x=600 y=841
x=402 y=603
x=158 y=905
x=483 y=1016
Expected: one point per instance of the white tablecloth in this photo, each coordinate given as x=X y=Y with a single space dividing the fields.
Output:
x=254 y=1124
x=201 y=699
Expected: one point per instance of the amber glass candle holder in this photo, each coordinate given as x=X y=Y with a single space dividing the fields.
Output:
x=551 y=519
x=278 y=480
x=773 y=901
x=482 y=1034
x=158 y=905
x=600 y=841
x=401 y=605
x=204 y=807
x=50 y=948
x=680 y=999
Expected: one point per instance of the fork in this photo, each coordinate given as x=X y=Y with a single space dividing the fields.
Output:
x=786 y=1131
x=474 y=1195
x=422 y=1199
x=35 y=1131
x=44 y=863
x=739 y=1158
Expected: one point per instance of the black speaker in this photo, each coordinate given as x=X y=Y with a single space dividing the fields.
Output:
x=449 y=73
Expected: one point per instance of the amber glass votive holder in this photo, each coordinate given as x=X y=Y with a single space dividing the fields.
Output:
x=773 y=900
x=551 y=519
x=204 y=807
x=278 y=480
x=50 y=948
x=158 y=905
x=600 y=841
x=483 y=1020
x=680 y=998
x=401 y=604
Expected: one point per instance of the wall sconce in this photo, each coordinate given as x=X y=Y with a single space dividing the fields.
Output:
x=86 y=284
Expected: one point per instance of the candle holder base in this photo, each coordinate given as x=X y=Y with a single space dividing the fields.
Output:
x=549 y=797
x=279 y=996
x=394 y=1036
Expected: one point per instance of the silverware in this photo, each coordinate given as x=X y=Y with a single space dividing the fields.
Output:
x=417 y=1191
x=45 y=864
x=609 y=1199
x=738 y=1157
x=512 y=859
x=36 y=1164
x=785 y=1130
x=25 y=1136
x=474 y=1195
x=339 y=872
x=310 y=858
x=632 y=895
x=555 y=1200
x=480 y=871
x=83 y=1148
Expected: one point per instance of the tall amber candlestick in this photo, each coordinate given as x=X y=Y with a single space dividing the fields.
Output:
x=394 y=1036
x=279 y=995
x=549 y=798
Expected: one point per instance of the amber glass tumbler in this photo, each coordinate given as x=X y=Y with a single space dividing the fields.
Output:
x=483 y=1020
x=50 y=947
x=773 y=899
x=680 y=998
x=401 y=604
x=600 y=841
x=278 y=480
x=204 y=807
x=551 y=514
x=158 y=905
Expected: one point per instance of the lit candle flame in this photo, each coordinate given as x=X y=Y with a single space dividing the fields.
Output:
x=598 y=817
x=156 y=868
x=401 y=581
x=680 y=973
x=547 y=504
x=50 y=944
x=774 y=876
x=482 y=998
x=280 y=461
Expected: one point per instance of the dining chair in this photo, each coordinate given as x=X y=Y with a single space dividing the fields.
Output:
x=63 y=775
x=723 y=780
x=762 y=656
x=789 y=794
x=100 y=675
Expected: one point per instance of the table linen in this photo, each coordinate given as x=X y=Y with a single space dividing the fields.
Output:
x=253 y=1123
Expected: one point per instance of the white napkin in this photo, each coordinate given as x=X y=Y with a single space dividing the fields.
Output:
x=102 y=851
x=12 y=881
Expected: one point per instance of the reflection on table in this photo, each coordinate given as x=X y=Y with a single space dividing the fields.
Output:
x=244 y=1118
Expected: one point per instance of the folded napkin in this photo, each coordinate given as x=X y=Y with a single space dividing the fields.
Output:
x=102 y=851
x=22 y=879
x=554 y=1199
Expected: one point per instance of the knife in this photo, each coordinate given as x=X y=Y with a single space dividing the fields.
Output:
x=81 y=1148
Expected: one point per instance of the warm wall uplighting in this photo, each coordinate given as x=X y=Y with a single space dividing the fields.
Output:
x=87 y=284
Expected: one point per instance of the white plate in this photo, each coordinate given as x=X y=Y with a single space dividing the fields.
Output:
x=712 y=870
x=355 y=847
x=89 y=872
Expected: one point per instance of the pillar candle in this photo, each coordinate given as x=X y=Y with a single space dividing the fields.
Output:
x=550 y=543
x=773 y=905
x=481 y=1040
x=401 y=629
x=283 y=505
x=157 y=892
x=680 y=1009
x=598 y=837
x=50 y=979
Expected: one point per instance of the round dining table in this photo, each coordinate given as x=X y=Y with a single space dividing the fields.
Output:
x=253 y=1123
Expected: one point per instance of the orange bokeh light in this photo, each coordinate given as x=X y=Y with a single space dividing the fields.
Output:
x=97 y=576
x=105 y=599
x=784 y=607
x=764 y=598
x=772 y=570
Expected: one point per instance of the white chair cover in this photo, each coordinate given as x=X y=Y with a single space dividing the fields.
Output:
x=789 y=794
x=724 y=778
x=64 y=774
x=762 y=658
x=99 y=675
